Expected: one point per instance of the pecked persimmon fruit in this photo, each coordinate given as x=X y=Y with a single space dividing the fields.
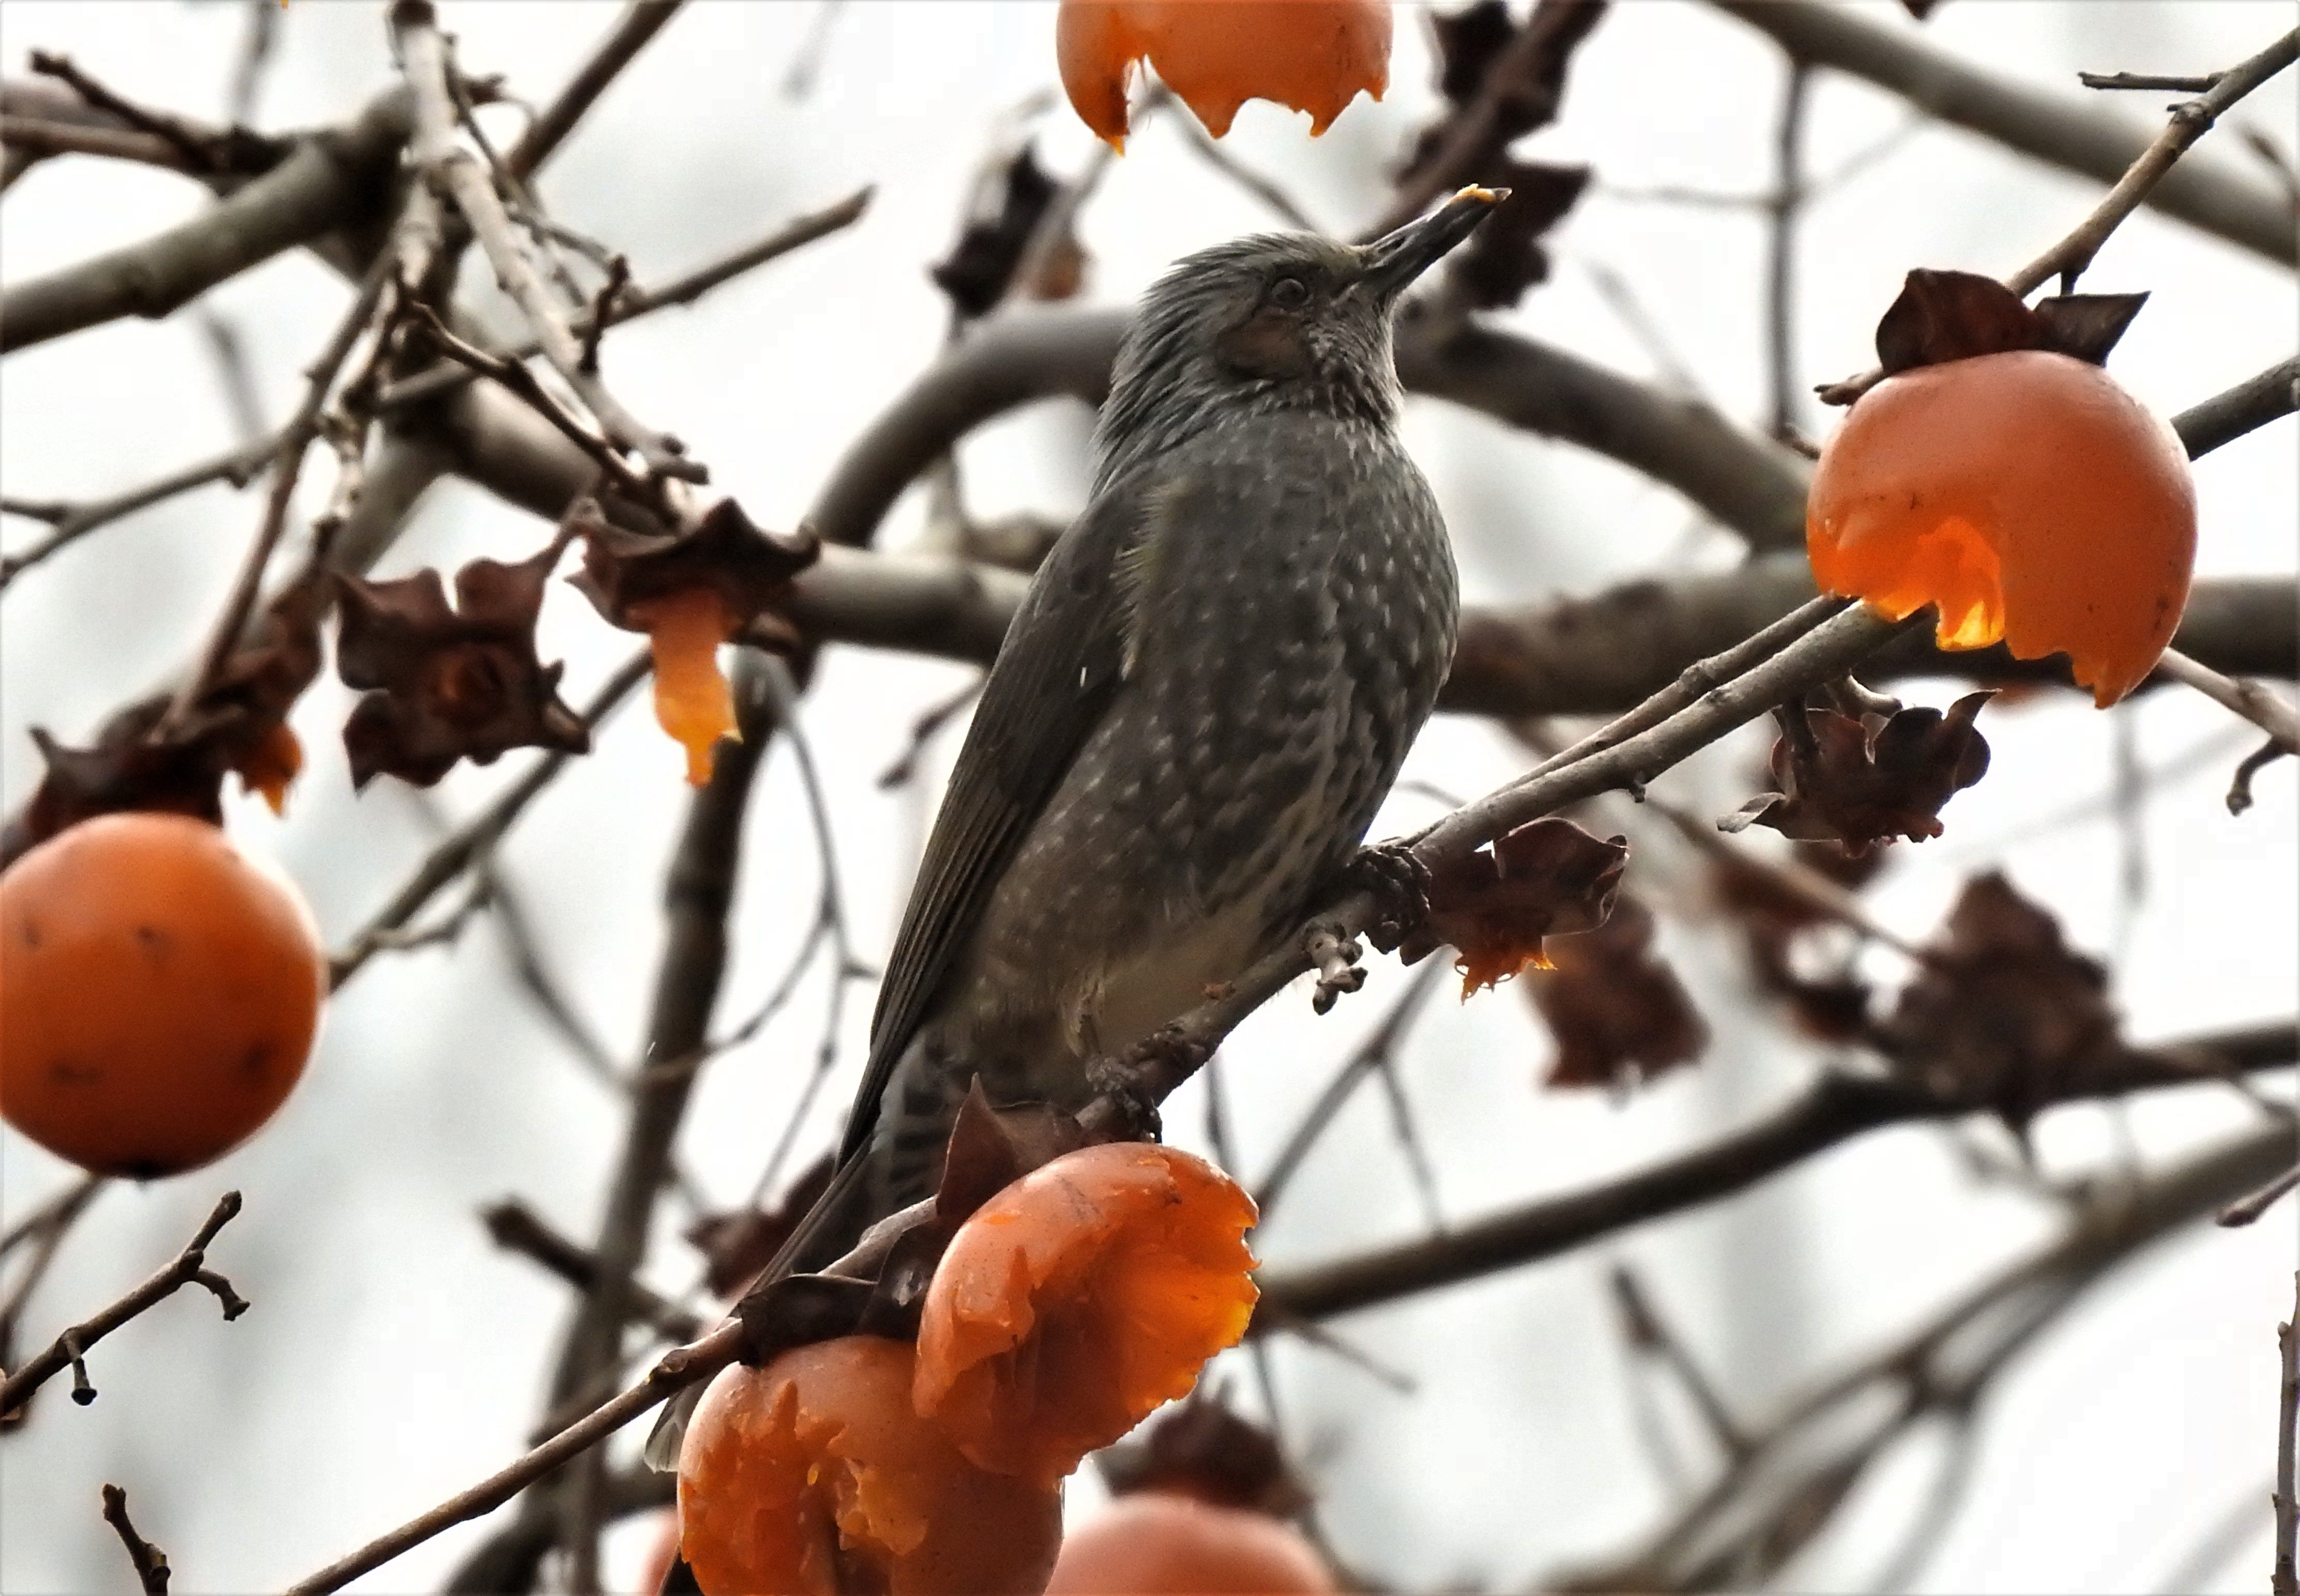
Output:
x=1081 y=1298
x=814 y=1475
x=1312 y=55
x=159 y=991
x=2026 y=495
x=1161 y=1543
x=693 y=702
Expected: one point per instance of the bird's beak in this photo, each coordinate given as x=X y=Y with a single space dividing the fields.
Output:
x=1395 y=259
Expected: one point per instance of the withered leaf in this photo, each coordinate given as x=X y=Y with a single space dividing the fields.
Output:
x=1833 y=1008
x=991 y=1148
x=1860 y=782
x=1203 y=1449
x=981 y=264
x=1468 y=40
x=1475 y=43
x=1617 y=1012
x=724 y=552
x=448 y=684
x=736 y=1246
x=1942 y=316
x=1504 y=257
x=2004 y=1014
x=236 y=725
x=1493 y=906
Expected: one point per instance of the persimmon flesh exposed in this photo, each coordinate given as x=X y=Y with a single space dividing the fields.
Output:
x=159 y=991
x=692 y=700
x=2026 y=495
x=1156 y=1543
x=1078 y=1299
x=815 y=1475
x=1312 y=55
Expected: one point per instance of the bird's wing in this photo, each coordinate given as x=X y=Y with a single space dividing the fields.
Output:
x=1064 y=657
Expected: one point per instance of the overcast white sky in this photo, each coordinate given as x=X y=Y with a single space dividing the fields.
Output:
x=392 y=1355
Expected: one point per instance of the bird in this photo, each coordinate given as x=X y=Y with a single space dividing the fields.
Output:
x=1201 y=703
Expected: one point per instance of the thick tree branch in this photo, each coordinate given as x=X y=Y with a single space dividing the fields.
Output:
x=335 y=177
x=2063 y=130
x=1836 y=1109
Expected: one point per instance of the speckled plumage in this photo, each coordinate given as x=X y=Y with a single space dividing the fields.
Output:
x=1200 y=706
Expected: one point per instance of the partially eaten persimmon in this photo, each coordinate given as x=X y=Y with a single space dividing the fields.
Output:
x=1081 y=1298
x=1312 y=55
x=1159 y=1544
x=814 y=1475
x=2028 y=496
x=693 y=702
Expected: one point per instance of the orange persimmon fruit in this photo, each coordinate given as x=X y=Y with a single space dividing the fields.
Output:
x=1160 y=1543
x=1312 y=55
x=814 y=1475
x=1081 y=1298
x=692 y=699
x=159 y=992
x=2026 y=495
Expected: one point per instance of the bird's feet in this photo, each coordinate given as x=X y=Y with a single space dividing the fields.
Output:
x=1399 y=882
x=1336 y=957
x=1137 y=1080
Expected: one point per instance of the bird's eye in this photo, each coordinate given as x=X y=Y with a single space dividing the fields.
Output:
x=1287 y=294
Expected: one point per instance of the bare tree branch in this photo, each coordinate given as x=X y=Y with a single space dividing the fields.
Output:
x=639 y=23
x=2063 y=130
x=335 y=177
x=70 y=1348
x=1837 y=1108
x=150 y=1563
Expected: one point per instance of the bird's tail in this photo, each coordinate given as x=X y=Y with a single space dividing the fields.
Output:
x=828 y=1232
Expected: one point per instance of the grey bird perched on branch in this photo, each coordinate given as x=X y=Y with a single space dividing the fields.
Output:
x=1194 y=714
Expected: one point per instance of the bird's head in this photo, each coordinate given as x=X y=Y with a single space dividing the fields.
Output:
x=1274 y=321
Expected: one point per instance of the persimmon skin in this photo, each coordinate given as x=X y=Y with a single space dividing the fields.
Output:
x=1312 y=55
x=814 y=1475
x=159 y=993
x=2028 y=495
x=1081 y=1298
x=693 y=702
x=1161 y=1543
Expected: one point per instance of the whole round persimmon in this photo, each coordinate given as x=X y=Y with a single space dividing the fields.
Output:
x=1158 y=1543
x=2028 y=496
x=1312 y=55
x=159 y=992
x=1081 y=1298
x=814 y=1475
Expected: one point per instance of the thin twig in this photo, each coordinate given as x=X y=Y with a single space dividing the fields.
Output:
x=2194 y=83
x=1363 y=1060
x=2239 y=793
x=2247 y=1209
x=2190 y=121
x=69 y=1349
x=518 y=1228
x=632 y=305
x=1780 y=274
x=457 y=175
x=2285 y=1580
x=1647 y=1331
x=150 y=1563
x=2250 y=700
x=287 y=467
x=639 y=23
x=238 y=465
x=473 y=838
